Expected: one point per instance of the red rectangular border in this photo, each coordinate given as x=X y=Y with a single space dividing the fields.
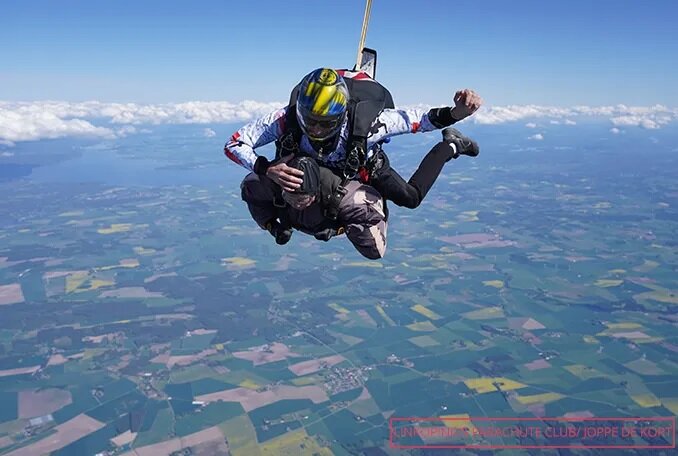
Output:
x=672 y=419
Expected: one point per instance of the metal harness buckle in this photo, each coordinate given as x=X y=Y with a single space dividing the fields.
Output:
x=353 y=161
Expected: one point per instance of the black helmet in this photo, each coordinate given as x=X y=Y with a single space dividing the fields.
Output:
x=311 y=179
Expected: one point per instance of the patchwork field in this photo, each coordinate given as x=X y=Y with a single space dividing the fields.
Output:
x=154 y=317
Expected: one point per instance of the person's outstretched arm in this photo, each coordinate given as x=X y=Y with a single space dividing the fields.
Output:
x=394 y=122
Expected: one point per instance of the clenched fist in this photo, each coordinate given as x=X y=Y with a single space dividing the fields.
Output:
x=466 y=102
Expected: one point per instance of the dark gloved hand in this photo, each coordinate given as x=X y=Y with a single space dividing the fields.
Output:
x=328 y=233
x=282 y=235
x=378 y=164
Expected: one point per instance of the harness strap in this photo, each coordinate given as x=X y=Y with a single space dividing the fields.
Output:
x=333 y=200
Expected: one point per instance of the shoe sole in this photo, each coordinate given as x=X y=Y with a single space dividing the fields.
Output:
x=460 y=136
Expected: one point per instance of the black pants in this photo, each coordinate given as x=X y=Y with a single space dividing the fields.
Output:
x=410 y=194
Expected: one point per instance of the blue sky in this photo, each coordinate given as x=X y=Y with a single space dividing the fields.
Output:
x=557 y=53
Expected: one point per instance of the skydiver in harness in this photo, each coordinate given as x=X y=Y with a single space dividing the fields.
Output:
x=360 y=212
x=343 y=130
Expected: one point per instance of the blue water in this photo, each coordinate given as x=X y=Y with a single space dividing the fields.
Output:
x=109 y=167
x=178 y=155
x=175 y=155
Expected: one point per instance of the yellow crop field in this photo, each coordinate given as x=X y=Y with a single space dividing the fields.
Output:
x=539 y=398
x=425 y=311
x=490 y=384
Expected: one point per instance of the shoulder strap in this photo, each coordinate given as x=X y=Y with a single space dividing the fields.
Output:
x=368 y=99
x=288 y=143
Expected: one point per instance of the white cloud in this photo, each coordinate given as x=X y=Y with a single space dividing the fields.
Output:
x=651 y=122
x=125 y=131
x=503 y=114
x=537 y=137
x=7 y=154
x=209 y=133
x=615 y=130
x=195 y=112
x=27 y=121
x=650 y=117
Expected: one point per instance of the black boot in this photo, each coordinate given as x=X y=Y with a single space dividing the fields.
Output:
x=463 y=144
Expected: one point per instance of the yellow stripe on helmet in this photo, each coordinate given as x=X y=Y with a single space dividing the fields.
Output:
x=323 y=96
x=323 y=100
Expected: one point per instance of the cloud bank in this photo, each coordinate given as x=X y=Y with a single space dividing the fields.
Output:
x=30 y=121
x=651 y=117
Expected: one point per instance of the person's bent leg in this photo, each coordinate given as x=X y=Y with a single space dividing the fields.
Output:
x=369 y=241
x=257 y=192
x=429 y=169
x=362 y=214
x=394 y=188
x=410 y=194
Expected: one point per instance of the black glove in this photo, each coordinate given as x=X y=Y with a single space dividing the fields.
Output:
x=328 y=233
x=281 y=234
x=261 y=165
x=282 y=237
